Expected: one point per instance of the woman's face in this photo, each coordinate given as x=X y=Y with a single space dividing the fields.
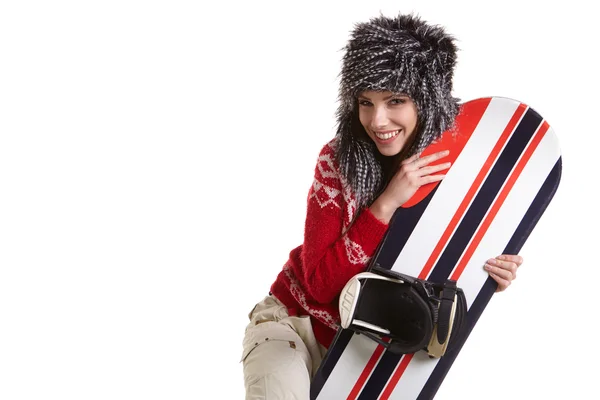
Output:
x=389 y=119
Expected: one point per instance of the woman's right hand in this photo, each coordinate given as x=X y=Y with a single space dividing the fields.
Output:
x=413 y=173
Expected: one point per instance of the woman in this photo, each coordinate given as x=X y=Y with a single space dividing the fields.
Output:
x=395 y=99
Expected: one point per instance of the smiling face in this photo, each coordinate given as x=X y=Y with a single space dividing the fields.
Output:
x=389 y=119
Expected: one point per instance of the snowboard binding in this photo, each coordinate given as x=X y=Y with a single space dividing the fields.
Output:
x=402 y=313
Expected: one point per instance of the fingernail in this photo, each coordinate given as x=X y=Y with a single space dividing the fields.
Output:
x=492 y=261
x=487 y=267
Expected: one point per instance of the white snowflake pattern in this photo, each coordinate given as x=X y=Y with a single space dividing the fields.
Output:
x=331 y=193
x=350 y=207
x=296 y=290
x=330 y=171
x=327 y=169
x=355 y=252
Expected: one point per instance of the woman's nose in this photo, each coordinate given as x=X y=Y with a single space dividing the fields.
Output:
x=380 y=118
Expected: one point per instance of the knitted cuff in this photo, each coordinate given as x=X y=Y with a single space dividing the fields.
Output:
x=370 y=230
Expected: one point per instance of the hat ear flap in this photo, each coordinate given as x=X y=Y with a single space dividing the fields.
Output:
x=355 y=153
x=356 y=127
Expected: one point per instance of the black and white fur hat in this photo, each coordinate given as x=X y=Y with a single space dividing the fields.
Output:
x=402 y=55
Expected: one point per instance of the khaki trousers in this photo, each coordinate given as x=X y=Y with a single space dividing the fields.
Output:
x=280 y=353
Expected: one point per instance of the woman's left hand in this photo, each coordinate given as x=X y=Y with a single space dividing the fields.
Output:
x=503 y=269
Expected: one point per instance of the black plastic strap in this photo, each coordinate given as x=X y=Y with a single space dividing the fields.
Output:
x=447 y=300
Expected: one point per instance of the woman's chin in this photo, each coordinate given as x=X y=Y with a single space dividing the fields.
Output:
x=389 y=151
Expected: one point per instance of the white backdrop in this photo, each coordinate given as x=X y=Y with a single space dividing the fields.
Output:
x=155 y=159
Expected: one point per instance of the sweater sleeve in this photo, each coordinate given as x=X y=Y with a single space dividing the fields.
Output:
x=331 y=255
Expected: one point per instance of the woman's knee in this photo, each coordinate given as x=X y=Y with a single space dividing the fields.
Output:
x=276 y=370
x=276 y=363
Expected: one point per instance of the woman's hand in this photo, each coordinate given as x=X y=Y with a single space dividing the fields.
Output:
x=413 y=173
x=503 y=269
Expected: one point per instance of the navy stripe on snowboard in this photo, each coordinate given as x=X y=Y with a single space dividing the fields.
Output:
x=486 y=196
x=464 y=232
x=526 y=226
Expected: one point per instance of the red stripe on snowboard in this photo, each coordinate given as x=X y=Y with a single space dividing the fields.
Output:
x=462 y=208
x=500 y=199
x=455 y=145
x=391 y=385
x=362 y=379
x=493 y=209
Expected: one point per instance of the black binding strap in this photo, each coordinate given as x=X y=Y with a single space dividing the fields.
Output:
x=447 y=301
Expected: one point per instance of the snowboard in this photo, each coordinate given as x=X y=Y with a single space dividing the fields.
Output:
x=506 y=168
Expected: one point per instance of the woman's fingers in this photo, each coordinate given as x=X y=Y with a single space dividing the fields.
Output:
x=433 y=168
x=421 y=162
x=502 y=283
x=515 y=258
x=431 y=178
x=508 y=272
x=503 y=269
x=415 y=161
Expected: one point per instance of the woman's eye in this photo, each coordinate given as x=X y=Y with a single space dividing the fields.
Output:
x=364 y=103
x=397 y=101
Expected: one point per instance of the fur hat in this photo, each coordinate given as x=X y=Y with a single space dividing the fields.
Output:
x=401 y=55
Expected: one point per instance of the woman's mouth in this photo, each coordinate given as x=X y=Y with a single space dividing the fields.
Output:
x=386 y=136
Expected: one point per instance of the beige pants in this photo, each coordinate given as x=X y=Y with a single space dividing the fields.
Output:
x=280 y=355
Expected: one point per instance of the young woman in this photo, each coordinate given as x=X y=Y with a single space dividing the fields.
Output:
x=395 y=99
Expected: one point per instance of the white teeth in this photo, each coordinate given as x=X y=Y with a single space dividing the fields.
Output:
x=385 y=136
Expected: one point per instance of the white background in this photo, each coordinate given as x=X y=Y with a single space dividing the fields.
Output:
x=155 y=159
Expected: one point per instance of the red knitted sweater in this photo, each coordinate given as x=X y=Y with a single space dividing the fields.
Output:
x=338 y=243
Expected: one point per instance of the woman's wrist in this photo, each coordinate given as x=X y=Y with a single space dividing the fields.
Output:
x=382 y=211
